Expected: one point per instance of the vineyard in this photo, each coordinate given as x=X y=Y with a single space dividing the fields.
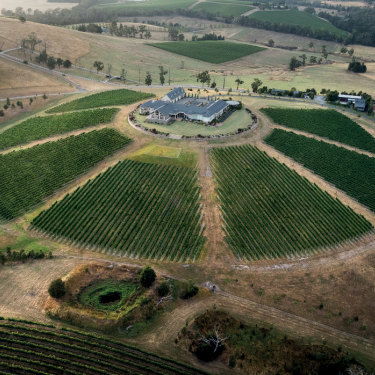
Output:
x=349 y=171
x=133 y=209
x=42 y=127
x=270 y=211
x=215 y=52
x=325 y=123
x=31 y=175
x=27 y=348
x=103 y=99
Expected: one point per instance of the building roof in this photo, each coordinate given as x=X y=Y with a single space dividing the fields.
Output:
x=342 y=96
x=360 y=103
x=176 y=93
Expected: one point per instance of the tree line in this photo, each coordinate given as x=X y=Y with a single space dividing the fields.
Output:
x=22 y=256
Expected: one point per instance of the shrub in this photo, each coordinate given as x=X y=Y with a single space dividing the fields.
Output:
x=148 y=276
x=57 y=289
x=232 y=361
x=189 y=291
x=163 y=289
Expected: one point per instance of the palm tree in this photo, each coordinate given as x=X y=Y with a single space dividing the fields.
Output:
x=239 y=82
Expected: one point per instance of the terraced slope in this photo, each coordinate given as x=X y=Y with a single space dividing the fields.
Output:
x=349 y=171
x=31 y=175
x=134 y=209
x=325 y=123
x=102 y=99
x=42 y=127
x=270 y=211
x=27 y=348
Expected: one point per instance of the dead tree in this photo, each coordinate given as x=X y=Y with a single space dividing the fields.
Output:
x=214 y=340
x=162 y=299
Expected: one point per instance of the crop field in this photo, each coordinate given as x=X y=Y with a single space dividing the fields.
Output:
x=42 y=127
x=133 y=209
x=103 y=99
x=325 y=123
x=215 y=52
x=297 y=18
x=270 y=211
x=223 y=10
x=351 y=172
x=29 y=176
x=27 y=348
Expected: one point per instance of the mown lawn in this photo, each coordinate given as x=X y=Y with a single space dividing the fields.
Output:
x=215 y=52
x=298 y=18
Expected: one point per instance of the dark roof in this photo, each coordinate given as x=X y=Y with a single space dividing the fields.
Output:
x=176 y=93
x=360 y=103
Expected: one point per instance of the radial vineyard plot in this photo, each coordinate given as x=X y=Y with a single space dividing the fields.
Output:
x=134 y=209
x=270 y=211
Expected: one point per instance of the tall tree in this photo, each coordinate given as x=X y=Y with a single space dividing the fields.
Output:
x=239 y=82
x=141 y=30
x=51 y=62
x=256 y=84
x=148 y=79
x=204 y=77
x=162 y=74
x=98 y=65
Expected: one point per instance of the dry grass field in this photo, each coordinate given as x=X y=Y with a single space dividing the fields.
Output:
x=34 y=4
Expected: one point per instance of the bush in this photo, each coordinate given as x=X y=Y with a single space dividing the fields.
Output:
x=232 y=361
x=163 y=289
x=189 y=291
x=148 y=276
x=57 y=289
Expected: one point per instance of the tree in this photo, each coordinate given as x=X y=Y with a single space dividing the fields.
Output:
x=204 y=77
x=357 y=67
x=163 y=289
x=324 y=52
x=67 y=64
x=43 y=57
x=211 y=346
x=147 y=277
x=141 y=30
x=256 y=84
x=303 y=58
x=271 y=43
x=59 y=62
x=51 y=62
x=294 y=63
x=332 y=96
x=239 y=82
x=98 y=65
x=189 y=291
x=148 y=79
x=311 y=45
x=343 y=50
x=22 y=19
x=148 y=34
x=123 y=75
x=312 y=59
x=162 y=74
x=351 y=52
x=181 y=37
x=57 y=289
x=213 y=85
x=173 y=33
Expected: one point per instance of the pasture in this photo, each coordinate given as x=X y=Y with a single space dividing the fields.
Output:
x=35 y=348
x=223 y=10
x=147 y=7
x=29 y=176
x=133 y=209
x=349 y=171
x=215 y=52
x=42 y=127
x=297 y=18
x=267 y=208
x=330 y=124
x=102 y=99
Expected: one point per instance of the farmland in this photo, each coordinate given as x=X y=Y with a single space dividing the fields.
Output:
x=42 y=127
x=102 y=99
x=215 y=52
x=325 y=123
x=268 y=208
x=29 y=176
x=147 y=7
x=134 y=209
x=349 y=171
x=223 y=10
x=297 y=18
x=27 y=348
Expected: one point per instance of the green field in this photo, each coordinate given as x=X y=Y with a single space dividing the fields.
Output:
x=223 y=10
x=42 y=127
x=133 y=209
x=103 y=99
x=325 y=123
x=29 y=176
x=297 y=18
x=237 y=120
x=349 y=171
x=270 y=211
x=215 y=52
x=27 y=348
x=146 y=7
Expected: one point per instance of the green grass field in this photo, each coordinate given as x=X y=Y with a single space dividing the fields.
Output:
x=325 y=123
x=215 y=52
x=146 y=7
x=29 y=176
x=270 y=211
x=297 y=18
x=223 y=10
x=349 y=171
x=102 y=99
x=42 y=127
x=237 y=120
x=35 y=348
x=133 y=209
